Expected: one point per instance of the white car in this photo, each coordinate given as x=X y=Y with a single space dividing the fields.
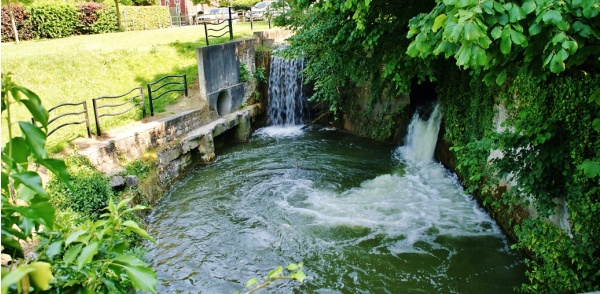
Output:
x=217 y=14
x=261 y=9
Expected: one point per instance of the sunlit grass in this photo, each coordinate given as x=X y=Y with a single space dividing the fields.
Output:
x=80 y=68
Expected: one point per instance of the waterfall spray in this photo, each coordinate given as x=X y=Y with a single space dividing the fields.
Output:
x=421 y=137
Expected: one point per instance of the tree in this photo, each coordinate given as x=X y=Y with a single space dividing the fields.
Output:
x=349 y=43
x=196 y=2
x=504 y=38
x=118 y=15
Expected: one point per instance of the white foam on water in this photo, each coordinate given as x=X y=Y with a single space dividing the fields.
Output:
x=281 y=131
x=417 y=204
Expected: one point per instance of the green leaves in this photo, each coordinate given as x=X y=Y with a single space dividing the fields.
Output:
x=133 y=226
x=528 y=7
x=35 y=139
x=437 y=23
x=26 y=207
x=506 y=43
x=515 y=14
x=591 y=169
x=87 y=254
x=251 y=282
x=83 y=250
x=31 y=180
x=14 y=276
x=464 y=24
x=297 y=273
x=518 y=38
x=141 y=276
x=33 y=104
x=551 y=17
x=295 y=270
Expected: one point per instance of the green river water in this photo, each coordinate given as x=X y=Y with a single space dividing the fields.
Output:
x=363 y=217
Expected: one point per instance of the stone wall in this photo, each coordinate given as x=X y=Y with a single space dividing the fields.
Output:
x=182 y=141
x=384 y=119
x=139 y=138
x=198 y=146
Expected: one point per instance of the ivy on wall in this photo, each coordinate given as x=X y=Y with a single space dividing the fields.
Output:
x=548 y=134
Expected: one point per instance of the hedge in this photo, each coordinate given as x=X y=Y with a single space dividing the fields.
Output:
x=47 y=21
x=52 y=20
x=145 y=17
x=93 y=18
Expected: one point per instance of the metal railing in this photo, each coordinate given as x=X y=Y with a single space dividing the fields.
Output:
x=160 y=93
x=218 y=23
x=54 y=119
x=137 y=92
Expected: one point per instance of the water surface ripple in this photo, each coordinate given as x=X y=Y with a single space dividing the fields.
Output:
x=361 y=216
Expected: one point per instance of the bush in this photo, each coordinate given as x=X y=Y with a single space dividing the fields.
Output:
x=53 y=20
x=107 y=21
x=88 y=15
x=91 y=189
x=24 y=27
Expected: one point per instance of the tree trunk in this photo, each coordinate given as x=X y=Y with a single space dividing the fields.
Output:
x=118 y=16
x=13 y=22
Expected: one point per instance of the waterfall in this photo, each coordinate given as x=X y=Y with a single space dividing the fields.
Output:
x=421 y=137
x=288 y=105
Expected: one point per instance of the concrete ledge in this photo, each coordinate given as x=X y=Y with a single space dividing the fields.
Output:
x=181 y=139
x=175 y=160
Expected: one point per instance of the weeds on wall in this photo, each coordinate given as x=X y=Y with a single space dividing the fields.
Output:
x=90 y=192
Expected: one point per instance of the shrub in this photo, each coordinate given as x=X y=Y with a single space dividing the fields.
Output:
x=106 y=22
x=53 y=20
x=24 y=27
x=88 y=15
x=91 y=191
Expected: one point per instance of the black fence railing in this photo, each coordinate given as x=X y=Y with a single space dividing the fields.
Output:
x=220 y=28
x=132 y=95
x=84 y=112
x=129 y=101
x=163 y=87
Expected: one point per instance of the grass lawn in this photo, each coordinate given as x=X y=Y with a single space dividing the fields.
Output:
x=80 y=68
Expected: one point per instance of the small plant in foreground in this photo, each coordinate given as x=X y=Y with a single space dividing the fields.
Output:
x=295 y=270
x=87 y=258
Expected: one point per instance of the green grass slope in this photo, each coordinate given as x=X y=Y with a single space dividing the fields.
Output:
x=80 y=68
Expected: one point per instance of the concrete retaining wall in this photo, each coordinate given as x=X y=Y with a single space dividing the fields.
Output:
x=272 y=37
x=219 y=74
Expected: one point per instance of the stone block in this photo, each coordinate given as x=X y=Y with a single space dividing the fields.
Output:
x=168 y=155
x=131 y=181
x=116 y=182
